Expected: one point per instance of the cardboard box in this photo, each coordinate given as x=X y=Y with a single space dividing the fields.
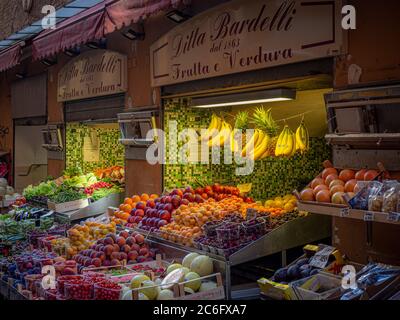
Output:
x=322 y=286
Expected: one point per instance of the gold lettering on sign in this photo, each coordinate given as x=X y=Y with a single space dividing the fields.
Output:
x=93 y=74
x=246 y=35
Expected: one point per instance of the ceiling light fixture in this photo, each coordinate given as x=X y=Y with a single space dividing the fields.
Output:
x=236 y=99
x=133 y=35
x=177 y=16
x=49 y=61
x=100 y=44
x=73 y=52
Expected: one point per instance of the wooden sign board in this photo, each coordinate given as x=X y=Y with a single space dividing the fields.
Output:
x=247 y=35
x=92 y=74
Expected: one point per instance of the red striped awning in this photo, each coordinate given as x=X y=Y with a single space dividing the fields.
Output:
x=95 y=23
x=126 y=12
x=86 y=26
x=10 y=57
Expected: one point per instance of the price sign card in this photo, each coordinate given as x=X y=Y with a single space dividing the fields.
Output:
x=320 y=259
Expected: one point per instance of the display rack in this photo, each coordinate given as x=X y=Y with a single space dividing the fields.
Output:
x=291 y=234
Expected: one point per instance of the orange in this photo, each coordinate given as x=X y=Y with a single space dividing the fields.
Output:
x=153 y=196
x=127 y=208
x=128 y=201
x=135 y=198
x=144 y=197
x=121 y=206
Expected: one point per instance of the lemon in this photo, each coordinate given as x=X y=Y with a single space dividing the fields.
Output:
x=269 y=203
x=279 y=204
x=288 y=207
x=278 y=199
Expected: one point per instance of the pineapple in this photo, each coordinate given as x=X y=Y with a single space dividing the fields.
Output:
x=262 y=119
x=242 y=120
x=241 y=123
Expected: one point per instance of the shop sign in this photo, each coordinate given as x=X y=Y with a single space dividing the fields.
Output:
x=93 y=74
x=246 y=35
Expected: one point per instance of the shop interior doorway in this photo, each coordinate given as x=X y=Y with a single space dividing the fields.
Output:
x=30 y=165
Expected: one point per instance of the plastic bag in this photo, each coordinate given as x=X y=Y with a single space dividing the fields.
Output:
x=375 y=198
x=360 y=201
x=390 y=197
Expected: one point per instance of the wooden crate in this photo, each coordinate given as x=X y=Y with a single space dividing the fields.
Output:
x=68 y=206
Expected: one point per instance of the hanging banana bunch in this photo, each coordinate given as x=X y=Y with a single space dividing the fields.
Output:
x=213 y=128
x=223 y=136
x=302 y=138
x=286 y=143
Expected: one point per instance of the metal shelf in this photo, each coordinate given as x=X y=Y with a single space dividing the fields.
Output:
x=291 y=234
x=343 y=211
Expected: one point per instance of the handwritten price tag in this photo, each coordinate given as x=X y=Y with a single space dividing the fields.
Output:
x=369 y=216
x=344 y=212
x=393 y=217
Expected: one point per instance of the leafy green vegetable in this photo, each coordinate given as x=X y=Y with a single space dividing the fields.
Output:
x=104 y=192
x=66 y=195
x=42 y=189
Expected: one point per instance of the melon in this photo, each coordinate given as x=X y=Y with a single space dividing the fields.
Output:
x=172 y=278
x=188 y=291
x=127 y=295
x=137 y=281
x=202 y=265
x=173 y=267
x=194 y=281
x=142 y=296
x=187 y=260
x=149 y=289
x=165 y=294
x=207 y=285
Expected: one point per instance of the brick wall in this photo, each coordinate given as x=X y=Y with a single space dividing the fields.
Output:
x=13 y=17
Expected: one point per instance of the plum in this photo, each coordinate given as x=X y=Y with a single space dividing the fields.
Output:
x=280 y=274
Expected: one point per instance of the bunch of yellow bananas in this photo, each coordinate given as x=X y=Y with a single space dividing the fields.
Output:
x=286 y=144
x=257 y=147
x=302 y=138
x=213 y=128
x=223 y=135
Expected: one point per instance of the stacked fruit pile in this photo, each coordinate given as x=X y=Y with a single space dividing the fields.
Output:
x=115 y=250
x=188 y=219
x=332 y=185
x=280 y=205
x=82 y=237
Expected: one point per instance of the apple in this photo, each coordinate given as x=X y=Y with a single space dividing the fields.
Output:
x=108 y=249
x=176 y=201
x=112 y=236
x=123 y=256
x=137 y=219
x=135 y=247
x=143 y=252
x=165 y=215
x=130 y=240
x=116 y=247
x=161 y=223
x=108 y=240
x=133 y=211
x=185 y=202
x=131 y=219
x=189 y=189
x=125 y=248
x=139 y=238
x=198 y=198
x=96 y=262
x=150 y=203
x=132 y=255
x=115 y=262
x=114 y=255
x=139 y=212
x=168 y=207
x=140 y=205
x=124 y=234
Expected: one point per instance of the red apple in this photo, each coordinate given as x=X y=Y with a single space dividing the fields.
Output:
x=124 y=234
x=165 y=215
x=130 y=240
x=169 y=207
x=125 y=248
x=161 y=223
x=139 y=238
x=132 y=255
x=150 y=203
x=140 y=205
x=123 y=256
x=143 y=252
x=139 y=212
x=96 y=262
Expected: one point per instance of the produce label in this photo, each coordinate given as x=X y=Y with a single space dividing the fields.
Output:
x=393 y=217
x=320 y=259
x=369 y=216
x=344 y=212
